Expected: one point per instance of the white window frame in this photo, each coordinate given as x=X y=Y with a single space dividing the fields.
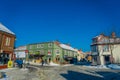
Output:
x=38 y=45
x=105 y=48
x=57 y=52
x=31 y=46
x=49 y=45
x=42 y=45
x=7 y=41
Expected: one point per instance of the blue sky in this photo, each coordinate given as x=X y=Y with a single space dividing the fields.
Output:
x=69 y=21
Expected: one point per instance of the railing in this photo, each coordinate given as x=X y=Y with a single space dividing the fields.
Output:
x=94 y=53
x=107 y=42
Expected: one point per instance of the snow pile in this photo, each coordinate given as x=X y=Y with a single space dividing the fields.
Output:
x=98 y=67
x=54 y=64
x=7 y=69
x=101 y=67
x=24 y=69
x=68 y=65
x=35 y=63
x=111 y=66
x=114 y=66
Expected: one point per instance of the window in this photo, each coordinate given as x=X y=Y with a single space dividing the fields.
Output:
x=70 y=53
x=49 y=52
x=41 y=45
x=105 y=48
x=38 y=45
x=30 y=46
x=111 y=40
x=7 y=41
x=94 y=48
x=49 y=45
x=106 y=40
x=65 y=52
x=57 y=52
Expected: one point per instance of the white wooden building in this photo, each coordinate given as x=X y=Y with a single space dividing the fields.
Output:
x=105 y=49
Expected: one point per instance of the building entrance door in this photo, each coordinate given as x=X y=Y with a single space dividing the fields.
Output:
x=107 y=59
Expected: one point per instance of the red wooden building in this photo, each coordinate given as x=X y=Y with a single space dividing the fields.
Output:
x=7 y=39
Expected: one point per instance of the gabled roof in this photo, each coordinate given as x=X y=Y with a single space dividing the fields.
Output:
x=67 y=47
x=5 y=29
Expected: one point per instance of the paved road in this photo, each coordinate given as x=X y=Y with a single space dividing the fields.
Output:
x=63 y=73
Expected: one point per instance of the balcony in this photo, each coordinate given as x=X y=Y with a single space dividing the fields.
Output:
x=111 y=41
x=94 y=53
x=105 y=53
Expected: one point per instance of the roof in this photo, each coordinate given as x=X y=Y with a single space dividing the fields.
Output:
x=5 y=29
x=41 y=43
x=67 y=47
x=21 y=48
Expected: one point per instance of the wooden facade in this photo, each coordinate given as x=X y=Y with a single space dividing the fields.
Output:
x=7 y=40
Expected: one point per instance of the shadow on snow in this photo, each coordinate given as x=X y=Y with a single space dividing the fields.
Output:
x=72 y=75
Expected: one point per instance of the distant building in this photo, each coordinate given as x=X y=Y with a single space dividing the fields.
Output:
x=20 y=52
x=88 y=56
x=80 y=55
x=7 y=39
x=51 y=51
x=105 y=49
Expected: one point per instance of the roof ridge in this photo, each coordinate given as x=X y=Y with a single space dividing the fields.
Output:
x=5 y=29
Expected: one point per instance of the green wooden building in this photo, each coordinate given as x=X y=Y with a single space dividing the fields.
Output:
x=51 y=51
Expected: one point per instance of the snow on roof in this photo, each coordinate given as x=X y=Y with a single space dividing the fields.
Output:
x=5 y=29
x=67 y=47
x=21 y=48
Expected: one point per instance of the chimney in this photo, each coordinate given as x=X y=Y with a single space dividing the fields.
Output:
x=113 y=35
x=57 y=42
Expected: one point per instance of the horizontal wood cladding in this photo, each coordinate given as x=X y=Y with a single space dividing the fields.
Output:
x=6 y=42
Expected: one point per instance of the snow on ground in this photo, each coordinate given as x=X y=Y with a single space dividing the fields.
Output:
x=54 y=64
x=97 y=67
x=111 y=66
x=3 y=70
x=6 y=77
x=74 y=73
x=50 y=64
x=114 y=66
